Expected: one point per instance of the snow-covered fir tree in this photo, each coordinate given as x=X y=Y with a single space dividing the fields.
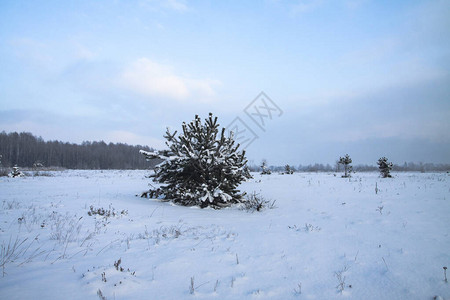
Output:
x=15 y=172
x=385 y=167
x=346 y=161
x=264 y=169
x=288 y=169
x=202 y=166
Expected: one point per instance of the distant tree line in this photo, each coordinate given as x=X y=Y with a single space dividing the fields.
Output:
x=25 y=150
x=405 y=167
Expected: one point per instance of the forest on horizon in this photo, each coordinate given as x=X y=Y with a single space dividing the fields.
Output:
x=26 y=150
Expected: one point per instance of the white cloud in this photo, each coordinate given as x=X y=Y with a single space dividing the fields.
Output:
x=152 y=79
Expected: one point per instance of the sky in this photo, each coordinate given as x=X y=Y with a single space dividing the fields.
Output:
x=301 y=81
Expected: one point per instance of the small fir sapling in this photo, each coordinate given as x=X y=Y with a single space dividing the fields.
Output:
x=203 y=167
x=385 y=167
x=15 y=172
x=264 y=168
x=346 y=161
x=288 y=170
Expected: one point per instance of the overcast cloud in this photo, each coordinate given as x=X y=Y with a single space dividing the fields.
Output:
x=368 y=78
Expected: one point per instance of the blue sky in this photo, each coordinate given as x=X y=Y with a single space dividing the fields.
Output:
x=368 y=78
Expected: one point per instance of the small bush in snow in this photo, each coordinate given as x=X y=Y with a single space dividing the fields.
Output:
x=13 y=204
x=37 y=165
x=385 y=167
x=202 y=166
x=15 y=249
x=255 y=202
x=341 y=279
x=100 y=295
x=298 y=290
x=119 y=268
x=111 y=212
x=306 y=228
x=380 y=209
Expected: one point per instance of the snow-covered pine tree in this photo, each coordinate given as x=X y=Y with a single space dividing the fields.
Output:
x=385 y=167
x=288 y=170
x=346 y=161
x=15 y=172
x=265 y=169
x=201 y=167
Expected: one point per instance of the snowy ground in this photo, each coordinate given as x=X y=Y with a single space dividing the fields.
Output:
x=328 y=238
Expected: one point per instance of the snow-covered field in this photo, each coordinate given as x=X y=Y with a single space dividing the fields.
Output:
x=327 y=238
